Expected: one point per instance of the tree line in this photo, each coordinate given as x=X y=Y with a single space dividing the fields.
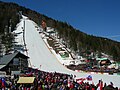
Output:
x=74 y=39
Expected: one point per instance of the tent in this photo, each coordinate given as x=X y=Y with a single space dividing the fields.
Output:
x=26 y=80
x=101 y=59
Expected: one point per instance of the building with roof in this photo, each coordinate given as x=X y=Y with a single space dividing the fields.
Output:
x=14 y=62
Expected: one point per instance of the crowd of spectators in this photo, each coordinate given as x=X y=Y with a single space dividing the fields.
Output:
x=51 y=81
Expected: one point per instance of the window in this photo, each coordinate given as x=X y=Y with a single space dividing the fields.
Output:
x=16 y=61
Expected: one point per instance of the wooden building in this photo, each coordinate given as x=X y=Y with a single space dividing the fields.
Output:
x=15 y=62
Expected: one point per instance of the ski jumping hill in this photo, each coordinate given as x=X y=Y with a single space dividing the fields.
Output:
x=42 y=58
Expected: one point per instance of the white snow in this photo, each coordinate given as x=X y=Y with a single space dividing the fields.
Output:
x=42 y=58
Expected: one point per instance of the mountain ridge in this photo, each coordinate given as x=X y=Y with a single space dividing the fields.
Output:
x=74 y=39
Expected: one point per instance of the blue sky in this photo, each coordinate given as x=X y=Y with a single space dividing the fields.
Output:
x=95 y=17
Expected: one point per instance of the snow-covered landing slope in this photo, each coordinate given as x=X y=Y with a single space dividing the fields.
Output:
x=40 y=55
x=38 y=51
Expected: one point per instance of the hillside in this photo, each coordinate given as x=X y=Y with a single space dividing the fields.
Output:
x=74 y=39
x=44 y=57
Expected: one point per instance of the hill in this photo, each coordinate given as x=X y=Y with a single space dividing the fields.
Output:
x=74 y=39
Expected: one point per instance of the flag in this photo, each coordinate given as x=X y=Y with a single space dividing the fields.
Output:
x=68 y=81
x=100 y=85
x=89 y=77
x=3 y=82
x=0 y=80
x=80 y=80
x=70 y=84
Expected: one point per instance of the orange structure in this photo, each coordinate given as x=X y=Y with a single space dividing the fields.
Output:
x=44 y=25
